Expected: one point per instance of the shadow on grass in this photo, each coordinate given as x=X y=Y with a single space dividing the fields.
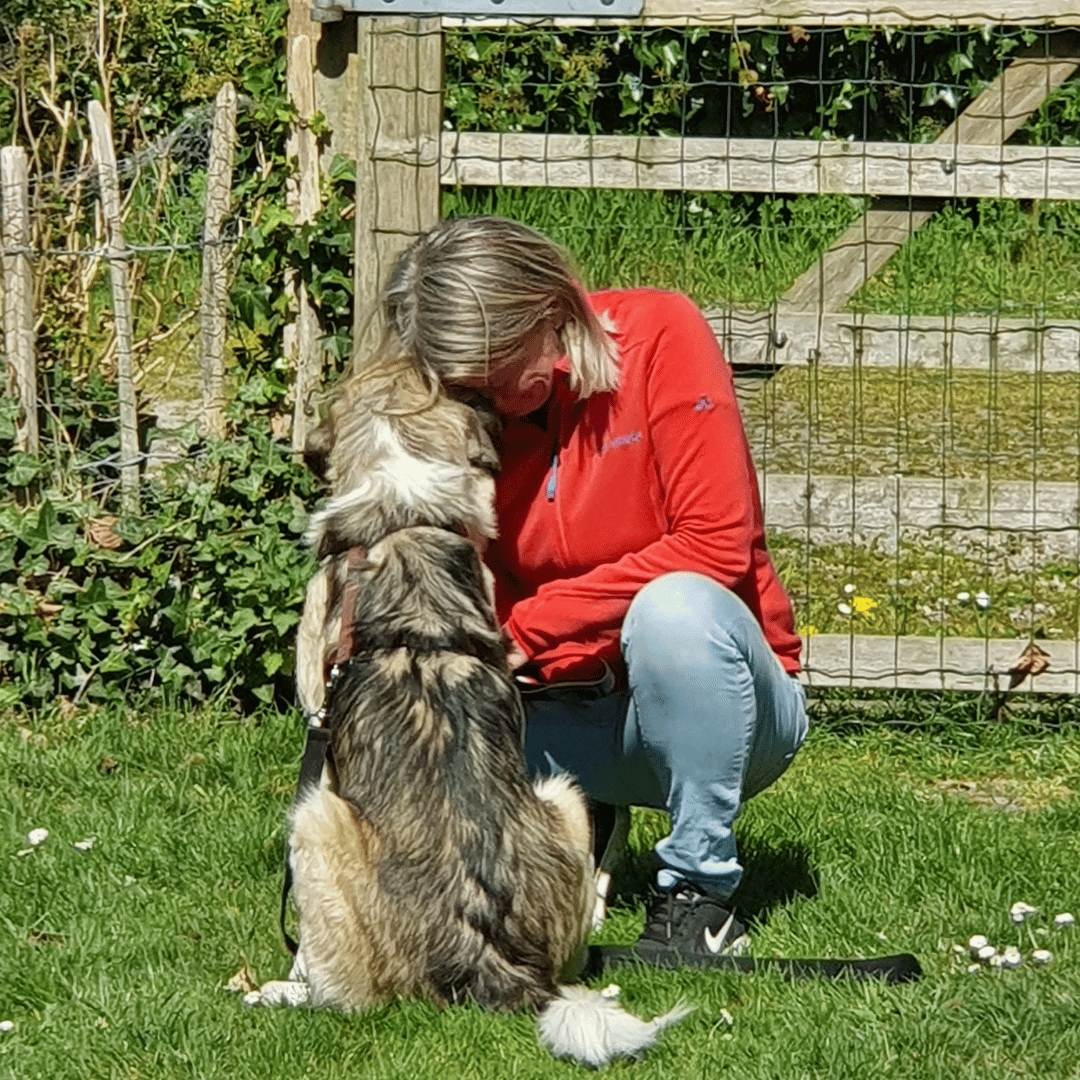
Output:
x=772 y=877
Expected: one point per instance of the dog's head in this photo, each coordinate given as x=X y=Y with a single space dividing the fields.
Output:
x=395 y=454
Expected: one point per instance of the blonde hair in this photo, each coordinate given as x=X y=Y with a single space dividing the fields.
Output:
x=464 y=295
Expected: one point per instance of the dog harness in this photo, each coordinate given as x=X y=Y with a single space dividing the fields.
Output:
x=317 y=752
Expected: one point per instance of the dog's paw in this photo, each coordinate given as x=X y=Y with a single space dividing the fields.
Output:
x=280 y=992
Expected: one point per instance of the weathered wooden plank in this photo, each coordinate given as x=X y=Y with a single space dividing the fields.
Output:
x=399 y=76
x=920 y=663
x=215 y=271
x=793 y=166
x=963 y=343
x=886 y=509
x=301 y=335
x=335 y=79
x=118 y=254
x=1000 y=110
x=17 y=293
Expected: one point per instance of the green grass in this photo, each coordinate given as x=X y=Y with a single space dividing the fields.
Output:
x=919 y=589
x=112 y=961
x=917 y=422
x=723 y=249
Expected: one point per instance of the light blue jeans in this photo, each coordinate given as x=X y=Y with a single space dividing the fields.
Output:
x=709 y=719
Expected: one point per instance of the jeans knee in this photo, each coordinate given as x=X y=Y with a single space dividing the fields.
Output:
x=681 y=603
x=676 y=616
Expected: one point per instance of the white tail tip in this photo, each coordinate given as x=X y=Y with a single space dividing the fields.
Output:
x=584 y=1026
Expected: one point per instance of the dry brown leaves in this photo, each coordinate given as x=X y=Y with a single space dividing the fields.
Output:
x=100 y=533
x=1007 y=794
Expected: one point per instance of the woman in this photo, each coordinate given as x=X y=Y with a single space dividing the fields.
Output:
x=632 y=578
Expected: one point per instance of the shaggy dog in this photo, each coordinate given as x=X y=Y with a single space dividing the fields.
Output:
x=427 y=864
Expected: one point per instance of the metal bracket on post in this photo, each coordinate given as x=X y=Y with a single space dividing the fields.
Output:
x=333 y=10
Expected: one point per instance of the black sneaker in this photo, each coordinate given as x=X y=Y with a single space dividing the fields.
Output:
x=687 y=928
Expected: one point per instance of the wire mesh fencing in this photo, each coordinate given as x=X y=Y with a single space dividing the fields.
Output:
x=117 y=269
x=878 y=216
x=882 y=226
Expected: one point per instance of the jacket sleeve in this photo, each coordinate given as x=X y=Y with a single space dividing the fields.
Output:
x=709 y=497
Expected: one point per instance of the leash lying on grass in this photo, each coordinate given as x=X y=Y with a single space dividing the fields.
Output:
x=901 y=968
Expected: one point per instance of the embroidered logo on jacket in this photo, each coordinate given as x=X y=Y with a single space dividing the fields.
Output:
x=703 y=404
x=621 y=440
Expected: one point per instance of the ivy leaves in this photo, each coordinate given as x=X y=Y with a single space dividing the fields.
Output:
x=196 y=599
x=860 y=82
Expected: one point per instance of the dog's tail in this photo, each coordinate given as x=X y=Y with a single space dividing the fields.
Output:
x=587 y=1027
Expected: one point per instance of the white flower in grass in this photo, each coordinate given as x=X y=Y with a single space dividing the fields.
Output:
x=975 y=943
x=1011 y=957
x=849 y=588
x=982 y=600
x=843 y=609
x=6 y=1026
x=84 y=845
x=1020 y=911
x=963 y=597
x=987 y=953
x=1042 y=956
x=36 y=837
x=1064 y=919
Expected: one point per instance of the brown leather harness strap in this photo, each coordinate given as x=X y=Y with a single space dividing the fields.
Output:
x=354 y=559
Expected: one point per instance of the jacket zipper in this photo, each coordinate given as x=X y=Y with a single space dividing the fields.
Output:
x=553 y=476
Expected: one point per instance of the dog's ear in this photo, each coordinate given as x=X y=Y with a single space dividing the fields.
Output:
x=484 y=437
x=317 y=448
x=483 y=428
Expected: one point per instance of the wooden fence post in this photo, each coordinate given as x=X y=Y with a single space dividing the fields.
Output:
x=302 y=350
x=400 y=79
x=18 y=306
x=216 y=260
x=101 y=147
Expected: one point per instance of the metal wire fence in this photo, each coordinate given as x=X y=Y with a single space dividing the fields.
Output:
x=879 y=216
x=118 y=267
x=882 y=225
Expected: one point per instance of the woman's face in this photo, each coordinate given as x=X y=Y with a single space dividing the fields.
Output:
x=522 y=382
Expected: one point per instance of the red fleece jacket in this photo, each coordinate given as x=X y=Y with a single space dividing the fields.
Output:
x=621 y=488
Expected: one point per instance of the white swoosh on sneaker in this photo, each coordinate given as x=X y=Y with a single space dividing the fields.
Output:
x=715 y=942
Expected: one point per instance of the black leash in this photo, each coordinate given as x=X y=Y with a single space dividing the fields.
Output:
x=316 y=755
x=317 y=751
x=901 y=968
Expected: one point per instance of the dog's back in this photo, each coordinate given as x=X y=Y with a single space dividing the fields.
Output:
x=443 y=827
